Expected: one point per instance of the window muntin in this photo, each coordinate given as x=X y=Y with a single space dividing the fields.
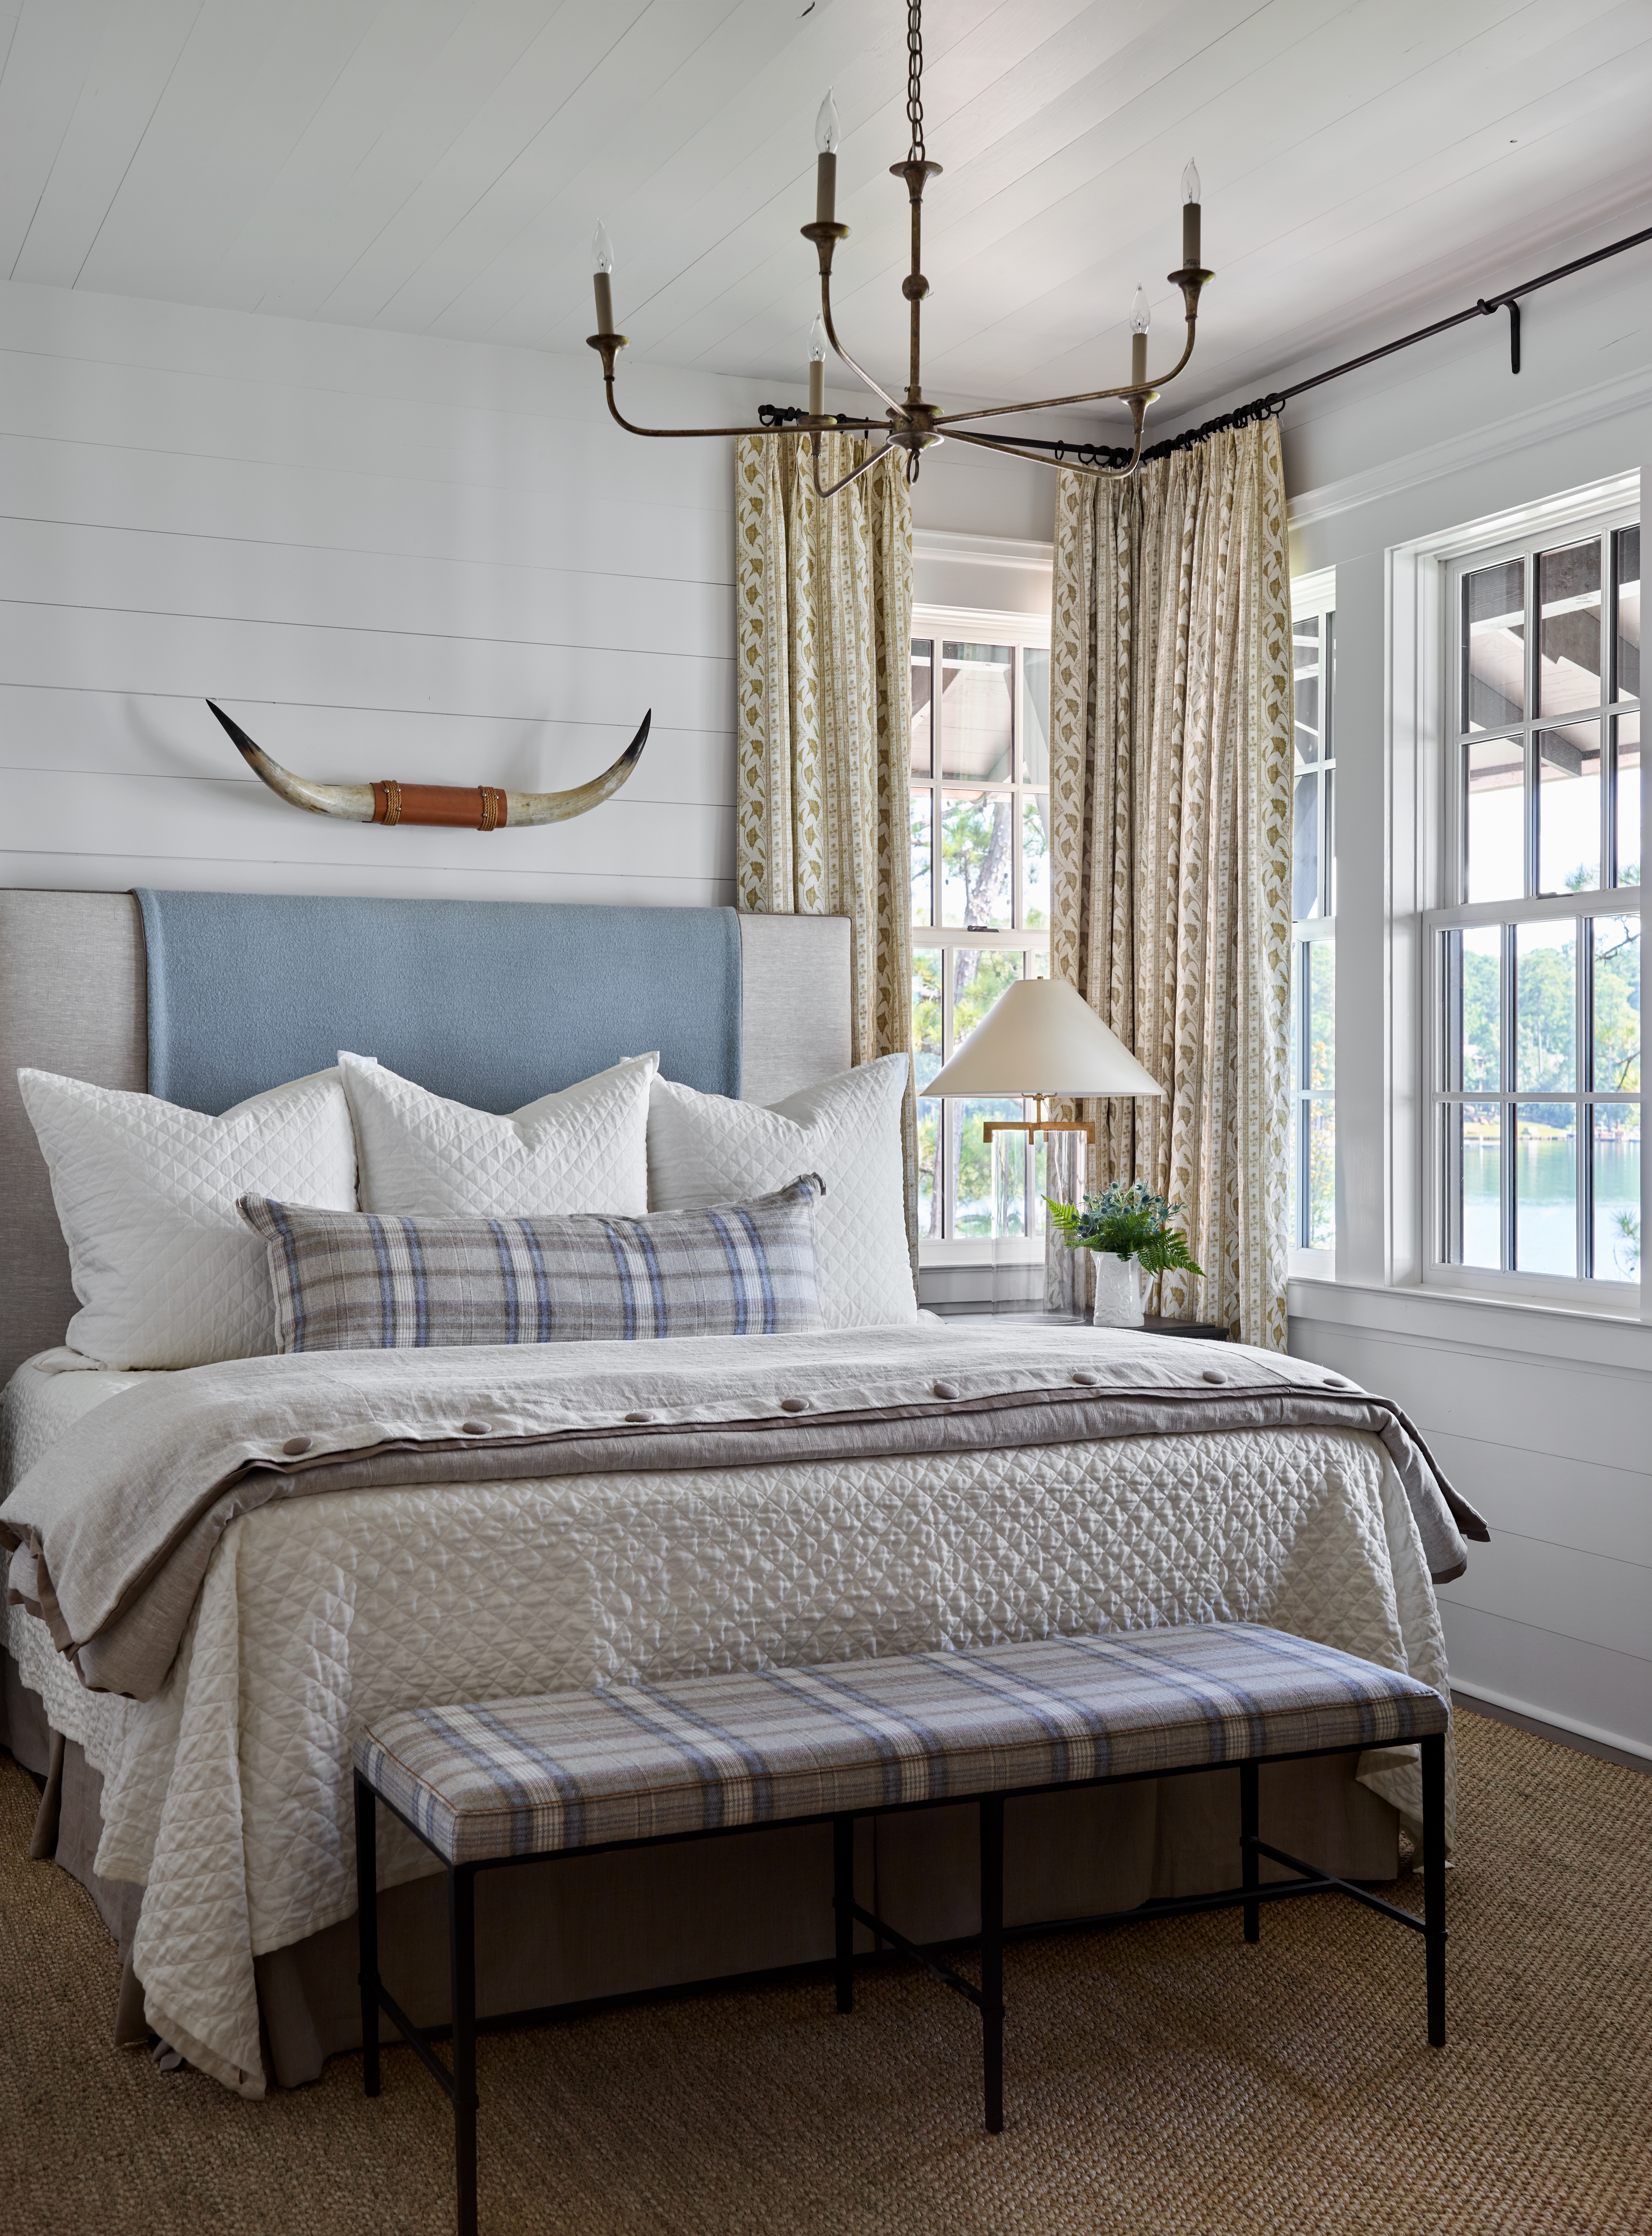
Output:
x=1494 y=628
x=1626 y=608
x=1313 y=1028
x=981 y=907
x=1536 y=960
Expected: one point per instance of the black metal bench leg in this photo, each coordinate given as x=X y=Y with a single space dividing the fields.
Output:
x=462 y=1949
x=367 y=1929
x=843 y=1899
x=992 y=1987
x=1249 y=1829
x=1434 y=1754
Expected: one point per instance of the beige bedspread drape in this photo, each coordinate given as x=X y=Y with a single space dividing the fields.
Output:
x=824 y=678
x=1171 y=800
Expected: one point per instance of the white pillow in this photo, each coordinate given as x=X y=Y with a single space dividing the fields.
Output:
x=166 y=1271
x=706 y=1149
x=583 y=1149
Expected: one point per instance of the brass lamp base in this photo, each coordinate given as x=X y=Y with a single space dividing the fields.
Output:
x=1031 y=1127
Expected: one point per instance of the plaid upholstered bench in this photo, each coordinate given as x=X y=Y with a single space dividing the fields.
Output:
x=502 y=1782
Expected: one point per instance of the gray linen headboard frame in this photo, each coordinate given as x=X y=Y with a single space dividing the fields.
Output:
x=73 y=999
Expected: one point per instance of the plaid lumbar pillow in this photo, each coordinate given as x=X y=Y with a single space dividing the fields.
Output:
x=371 y=1281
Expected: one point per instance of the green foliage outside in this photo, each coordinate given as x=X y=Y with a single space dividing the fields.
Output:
x=1128 y=1220
x=975 y=860
x=1629 y=1227
x=1545 y=1031
x=979 y=975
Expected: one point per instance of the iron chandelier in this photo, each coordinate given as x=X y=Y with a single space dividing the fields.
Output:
x=914 y=425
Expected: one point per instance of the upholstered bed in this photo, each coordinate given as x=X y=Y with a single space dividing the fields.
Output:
x=636 y=1510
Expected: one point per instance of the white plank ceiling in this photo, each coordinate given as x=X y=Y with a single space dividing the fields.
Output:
x=436 y=167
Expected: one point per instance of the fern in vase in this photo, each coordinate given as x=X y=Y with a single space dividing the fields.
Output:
x=1127 y=1222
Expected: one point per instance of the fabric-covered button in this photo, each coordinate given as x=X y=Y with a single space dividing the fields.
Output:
x=1335 y=1382
x=640 y=1417
x=1214 y=1374
x=946 y=1389
x=1083 y=1374
x=472 y=1428
x=794 y=1404
x=294 y=1445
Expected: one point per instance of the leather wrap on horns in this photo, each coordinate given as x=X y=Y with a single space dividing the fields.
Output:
x=453 y=807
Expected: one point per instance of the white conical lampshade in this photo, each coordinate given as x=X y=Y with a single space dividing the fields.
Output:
x=1042 y=1037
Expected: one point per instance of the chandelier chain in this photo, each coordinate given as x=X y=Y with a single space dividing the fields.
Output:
x=915 y=153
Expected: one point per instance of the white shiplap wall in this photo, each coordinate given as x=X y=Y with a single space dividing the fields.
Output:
x=1542 y=1418
x=388 y=556
x=1543 y=1421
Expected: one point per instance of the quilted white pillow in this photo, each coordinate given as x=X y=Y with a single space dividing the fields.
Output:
x=585 y=1149
x=706 y=1149
x=165 y=1269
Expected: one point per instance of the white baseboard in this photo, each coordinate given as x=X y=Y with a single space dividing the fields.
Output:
x=1618 y=1740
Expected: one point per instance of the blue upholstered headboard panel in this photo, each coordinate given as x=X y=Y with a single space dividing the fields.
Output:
x=492 y=1002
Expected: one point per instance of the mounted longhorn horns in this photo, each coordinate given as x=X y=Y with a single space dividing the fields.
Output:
x=455 y=806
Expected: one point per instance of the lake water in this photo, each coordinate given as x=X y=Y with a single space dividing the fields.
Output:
x=1545 y=1187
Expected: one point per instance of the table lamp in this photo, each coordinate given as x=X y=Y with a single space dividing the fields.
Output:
x=1042 y=1038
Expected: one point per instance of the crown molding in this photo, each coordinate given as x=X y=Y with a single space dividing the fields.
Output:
x=1609 y=400
x=958 y=547
x=978 y=624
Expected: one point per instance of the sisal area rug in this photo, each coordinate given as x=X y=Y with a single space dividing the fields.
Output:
x=1164 y=2081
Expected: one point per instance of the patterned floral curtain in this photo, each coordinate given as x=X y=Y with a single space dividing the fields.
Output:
x=1170 y=770
x=823 y=674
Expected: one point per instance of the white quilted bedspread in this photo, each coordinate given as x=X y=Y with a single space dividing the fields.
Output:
x=228 y=1795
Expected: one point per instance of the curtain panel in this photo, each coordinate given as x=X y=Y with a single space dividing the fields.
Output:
x=824 y=719
x=1170 y=770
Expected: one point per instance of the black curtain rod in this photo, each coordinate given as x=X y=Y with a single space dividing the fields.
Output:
x=1269 y=406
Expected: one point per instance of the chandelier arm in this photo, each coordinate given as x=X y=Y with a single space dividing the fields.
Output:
x=1059 y=402
x=666 y=434
x=831 y=336
x=1162 y=380
x=865 y=468
x=1001 y=449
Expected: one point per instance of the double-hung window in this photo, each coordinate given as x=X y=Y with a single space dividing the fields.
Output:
x=980 y=898
x=1535 y=965
x=1313 y=1027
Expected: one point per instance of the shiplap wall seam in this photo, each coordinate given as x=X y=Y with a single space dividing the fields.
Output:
x=1557 y=1609
x=388 y=556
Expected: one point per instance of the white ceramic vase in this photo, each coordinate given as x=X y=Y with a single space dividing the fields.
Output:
x=1118 y=1291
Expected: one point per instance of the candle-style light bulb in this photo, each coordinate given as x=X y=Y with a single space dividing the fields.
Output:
x=1192 y=195
x=817 y=368
x=1141 y=318
x=828 y=133
x=602 y=261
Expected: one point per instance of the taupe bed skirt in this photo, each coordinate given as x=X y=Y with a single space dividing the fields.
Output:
x=584 y=1928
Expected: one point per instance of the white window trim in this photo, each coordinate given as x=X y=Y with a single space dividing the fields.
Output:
x=1309 y=594
x=981 y=625
x=1389 y=1241
x=1621 y=1298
